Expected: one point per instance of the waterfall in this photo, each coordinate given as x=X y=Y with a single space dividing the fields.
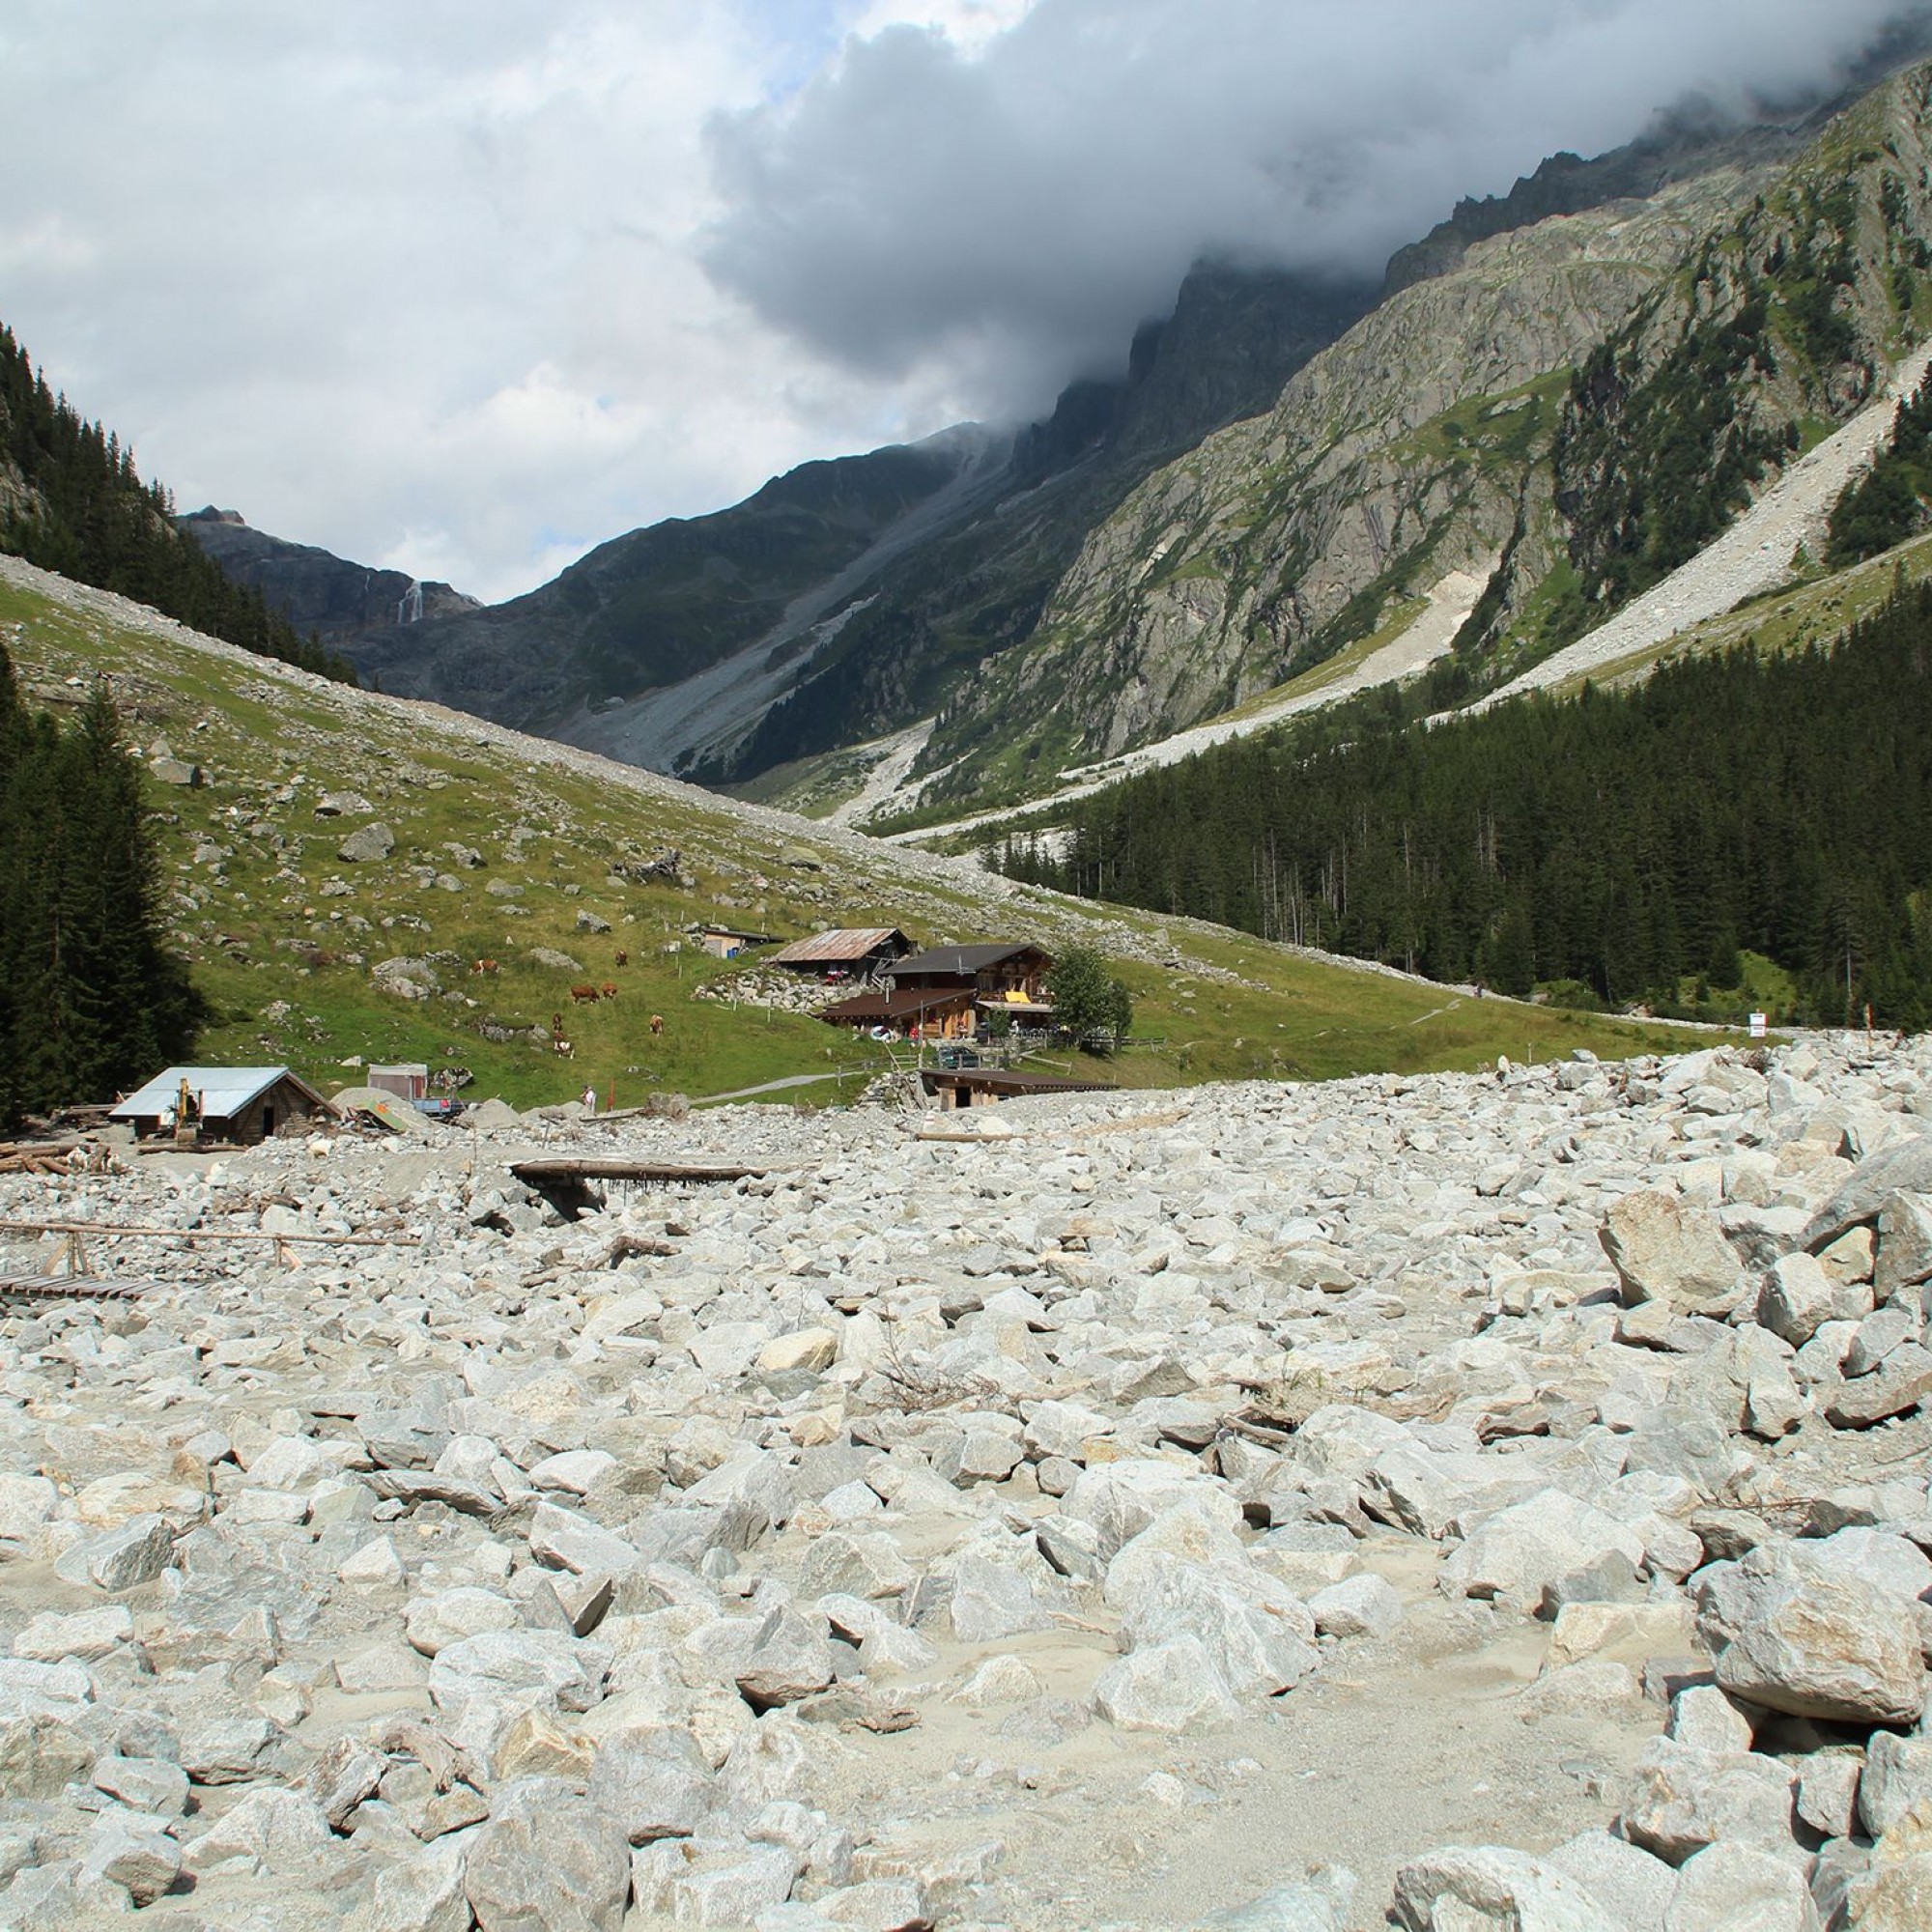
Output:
x=410 y=606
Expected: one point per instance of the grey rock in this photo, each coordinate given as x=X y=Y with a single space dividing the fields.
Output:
x=1664 y=1249
x=143 y=1783
x=1903 y=1169
x=547 y=1860
x=1627 y=1880
x=422 y=1893
x=1798 y=1296
x=39 y=1754
x=1463 y=1888
x=1904 y=1253
x=656 y=1784
x=133 y=1553
x=1740 y=1889
x=1897 y=1776
x=1828 y=1792
x=788 y=1658
x=1682 y=1799
x=136 y=1855
x=1318 y=1903
x=367 y=845
x=1365 y=1606
x=1822 y=1645
x=1166 y=1687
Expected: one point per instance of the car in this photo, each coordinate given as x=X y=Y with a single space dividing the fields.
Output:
x=439 y=1108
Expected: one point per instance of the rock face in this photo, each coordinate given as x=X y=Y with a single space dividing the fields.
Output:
x=337 y=600
x=1008 y=1532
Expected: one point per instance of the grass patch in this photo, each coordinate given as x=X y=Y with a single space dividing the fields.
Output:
x=284 y=936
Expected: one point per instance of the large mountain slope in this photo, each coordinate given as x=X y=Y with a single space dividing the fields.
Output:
x=1576 y=408
x=1286 y=470
x=846 y=596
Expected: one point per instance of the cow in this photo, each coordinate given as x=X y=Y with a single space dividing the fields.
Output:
x=585 y=995
x=608 y=990
x=484 y=966
x=623 y=959
x=657 y=1025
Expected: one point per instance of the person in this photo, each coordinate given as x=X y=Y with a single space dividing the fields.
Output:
x=591 y=1097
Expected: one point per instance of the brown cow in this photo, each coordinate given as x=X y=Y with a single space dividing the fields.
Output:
x=608 y=990
x=623 y=959
x=585 y=995
x=657 y=1025
x=484 y=966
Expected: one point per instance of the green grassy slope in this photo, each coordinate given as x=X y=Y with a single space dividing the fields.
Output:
x=285 y=936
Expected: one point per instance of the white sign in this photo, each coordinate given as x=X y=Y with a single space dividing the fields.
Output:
x=1757 y=1025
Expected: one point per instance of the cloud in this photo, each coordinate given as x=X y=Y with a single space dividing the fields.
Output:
x=1012 y=205
x=463 y=287
x=414 y=283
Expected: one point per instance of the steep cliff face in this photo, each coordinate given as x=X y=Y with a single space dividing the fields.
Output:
x=1403 y=452
x=315 y=590
x=1779 y=326
x=976 y=590
x=1572 y=408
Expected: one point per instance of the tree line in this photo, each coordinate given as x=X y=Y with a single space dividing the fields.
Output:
x=92 y=1002
x=1627 y=840
x=77 y=507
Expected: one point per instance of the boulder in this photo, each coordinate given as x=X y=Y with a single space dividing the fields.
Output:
x=1682 y=1799
x=1669 y=1250
x=1519 y=1550
x=547 y=1860
x=367 y=845
x=1739 y=1888
x=1165 y=1687
x=1465 y=1888
x=1818 y=1644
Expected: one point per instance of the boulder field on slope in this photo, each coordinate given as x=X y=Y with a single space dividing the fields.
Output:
x=1463 y=1501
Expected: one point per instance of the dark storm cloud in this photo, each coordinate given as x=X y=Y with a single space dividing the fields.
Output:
x=1013 y=213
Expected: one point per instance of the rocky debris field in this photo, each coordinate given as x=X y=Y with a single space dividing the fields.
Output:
x=1469 y=1501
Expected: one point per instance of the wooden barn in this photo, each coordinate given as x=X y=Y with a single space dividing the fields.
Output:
x=852 y=952
x=229 y=1104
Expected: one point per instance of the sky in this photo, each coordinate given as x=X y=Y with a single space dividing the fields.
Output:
x=465 y=287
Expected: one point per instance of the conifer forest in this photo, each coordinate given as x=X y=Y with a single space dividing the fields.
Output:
x=90 y=1000
x=1630 y=840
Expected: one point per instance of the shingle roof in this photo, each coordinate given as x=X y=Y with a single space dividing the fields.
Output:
x=962 y=959
x=906 y=1004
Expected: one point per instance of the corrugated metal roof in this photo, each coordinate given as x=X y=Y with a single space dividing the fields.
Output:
x=852 y=942
x=224 y=1091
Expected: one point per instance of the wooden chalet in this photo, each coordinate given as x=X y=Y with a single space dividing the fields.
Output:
x=232 y=1103
x=852 y=952
x=949 y=992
